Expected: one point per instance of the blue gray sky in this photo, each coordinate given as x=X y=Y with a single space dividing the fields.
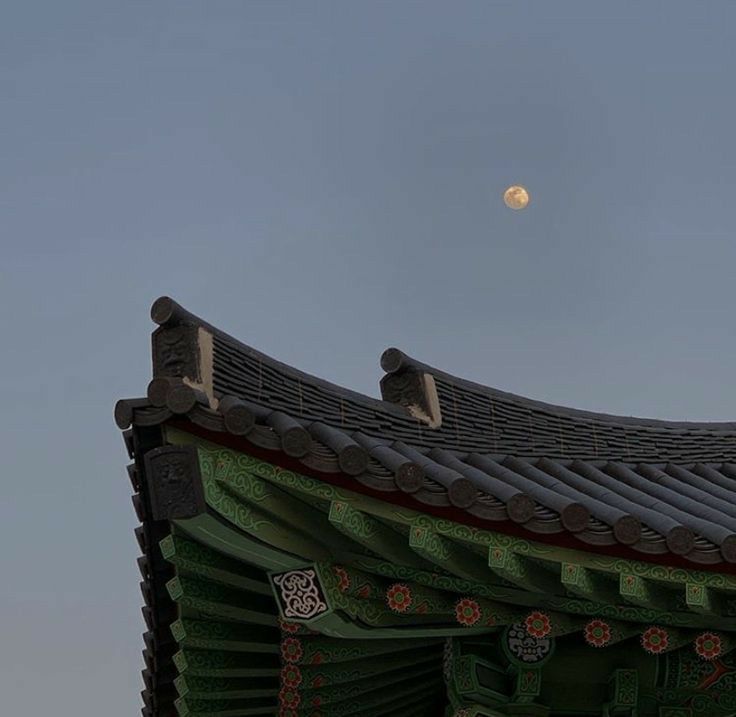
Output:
x=323 y=180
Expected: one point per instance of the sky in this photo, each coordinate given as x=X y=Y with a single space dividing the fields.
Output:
x=323 y=180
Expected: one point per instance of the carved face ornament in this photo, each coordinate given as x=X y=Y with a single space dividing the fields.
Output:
x=526 y=648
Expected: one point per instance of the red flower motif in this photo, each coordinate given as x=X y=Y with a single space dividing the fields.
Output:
x=291 y=676
x=399 y=597
x=289 y=698
x=291 y=627
x=538 y=624
x=317 y=658
x=343 y=577
x=655 y=640
x=597 y=633
x=467 y=612
x=708 y=645
x=318 y=681
x=291 y=649
x=316 y=701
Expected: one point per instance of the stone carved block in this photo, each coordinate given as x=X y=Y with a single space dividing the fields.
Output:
x=176 y=353
x=175 y=482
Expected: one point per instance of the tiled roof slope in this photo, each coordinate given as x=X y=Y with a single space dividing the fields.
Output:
x=659 y=487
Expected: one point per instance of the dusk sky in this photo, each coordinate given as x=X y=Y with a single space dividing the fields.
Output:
x=323 y=180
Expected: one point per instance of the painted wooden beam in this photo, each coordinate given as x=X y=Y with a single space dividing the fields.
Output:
x=230 y=636
x=449 y=555
x=657 y=640
x=194 y=558
x=704 y=600
x=301 y=517
x=602 y=632
x=640 y=591
x=221 y=601
x=588 y=584
x=378 y=537
x=521 y=571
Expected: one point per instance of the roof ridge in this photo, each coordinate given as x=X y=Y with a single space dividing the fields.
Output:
x=394 y=360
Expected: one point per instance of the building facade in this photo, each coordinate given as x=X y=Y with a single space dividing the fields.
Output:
x=449 y=550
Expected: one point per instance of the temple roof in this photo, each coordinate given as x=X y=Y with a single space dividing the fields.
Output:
x=447 y=444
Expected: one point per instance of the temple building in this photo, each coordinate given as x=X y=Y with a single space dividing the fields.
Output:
x=450 y=550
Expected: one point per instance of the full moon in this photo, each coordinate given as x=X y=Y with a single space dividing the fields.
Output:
x=516 y=197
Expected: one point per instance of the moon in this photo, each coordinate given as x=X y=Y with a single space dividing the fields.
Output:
x=516 y=197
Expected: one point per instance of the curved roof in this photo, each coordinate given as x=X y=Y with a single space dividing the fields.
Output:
x=656 y=486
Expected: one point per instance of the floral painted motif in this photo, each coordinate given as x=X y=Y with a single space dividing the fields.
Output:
x=655 y=640
x=289 y=698
x=467 y=612
x=343 y=578
x=708 y=645
x=597 y=633
x=291 y=627
x=291 y=676
x=538 y=624
x=291 y=649
x=399 y=597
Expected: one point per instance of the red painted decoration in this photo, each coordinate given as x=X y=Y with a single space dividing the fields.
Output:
x=399 y=597
x=291 y=649
x=708 y=645
x=291 y=676
x=467 y=612
x=343 y=577
x=289 y=698
x=597 y=633
x=655 y=640
x=291 y=627
x=538 y=624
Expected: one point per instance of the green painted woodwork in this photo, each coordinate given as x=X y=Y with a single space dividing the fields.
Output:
x=521 y=571
x=372 y=534
x=216 y=535
x=221 y=688
x=319 y=649
x=528 y=684
x=620 y=612
x=214 y=663
x=371 y=660
x=624 y=691
x=588 y=584
x=244 y=636
x=708 y=688
x=229 y=668
x=640 y=591
x=220 y=601
x=620 y=631
x=452 y=557
x=705 y=600
x=457 y=531
x=261 y=495
x=193 y=558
